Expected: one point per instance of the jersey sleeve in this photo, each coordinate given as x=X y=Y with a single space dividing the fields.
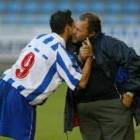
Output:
x=68 y=69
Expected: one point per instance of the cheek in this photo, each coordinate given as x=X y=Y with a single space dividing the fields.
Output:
x=82 y=36
x=71 y=31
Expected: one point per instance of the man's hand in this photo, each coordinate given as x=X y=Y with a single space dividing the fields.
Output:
x=127 y=100
x=85 y=50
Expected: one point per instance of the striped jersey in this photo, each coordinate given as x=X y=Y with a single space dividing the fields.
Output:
x=41 y=67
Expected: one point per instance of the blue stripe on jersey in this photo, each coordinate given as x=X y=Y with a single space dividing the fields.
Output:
x=47 y=40
x=60 y=61
x=44 y=56
x=20 y=88
x=55 y=46
x=74 y=62
x=40 y=36
x=44 y=84
x=37 y=50
x=10 y=81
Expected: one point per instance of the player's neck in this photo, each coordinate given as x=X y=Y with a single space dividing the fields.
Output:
x=65 y=37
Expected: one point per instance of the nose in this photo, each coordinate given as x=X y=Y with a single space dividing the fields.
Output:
x=74 y=30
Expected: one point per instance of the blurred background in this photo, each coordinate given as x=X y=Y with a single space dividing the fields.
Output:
x=21 y=20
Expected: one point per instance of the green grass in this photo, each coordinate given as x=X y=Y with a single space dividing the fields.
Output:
x=50 y=120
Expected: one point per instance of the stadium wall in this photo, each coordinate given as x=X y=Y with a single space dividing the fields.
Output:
x=13 y=38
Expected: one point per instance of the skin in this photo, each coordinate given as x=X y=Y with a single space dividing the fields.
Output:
x=80 y=32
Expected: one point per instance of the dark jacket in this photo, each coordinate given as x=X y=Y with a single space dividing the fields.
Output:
x=110 y=54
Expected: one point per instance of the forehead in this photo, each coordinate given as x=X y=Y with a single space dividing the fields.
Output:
x=81 y=24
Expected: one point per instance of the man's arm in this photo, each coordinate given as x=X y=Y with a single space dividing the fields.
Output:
x=86 y=71
x=128 y=59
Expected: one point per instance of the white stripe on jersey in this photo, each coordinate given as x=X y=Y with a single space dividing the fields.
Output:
x=64 y=76
x=51 y=88
x=67 y=60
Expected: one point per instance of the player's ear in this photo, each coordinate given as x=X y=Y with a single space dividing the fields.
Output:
x=68 y=28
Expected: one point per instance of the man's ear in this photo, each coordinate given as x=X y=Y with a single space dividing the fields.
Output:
x=91 y=34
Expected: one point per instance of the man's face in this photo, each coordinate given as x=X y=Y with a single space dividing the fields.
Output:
x=80 y=31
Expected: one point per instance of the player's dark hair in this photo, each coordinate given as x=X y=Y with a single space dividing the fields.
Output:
x=59 y=20
x=94 y=23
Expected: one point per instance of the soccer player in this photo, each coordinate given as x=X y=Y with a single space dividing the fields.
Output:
x=41 y=67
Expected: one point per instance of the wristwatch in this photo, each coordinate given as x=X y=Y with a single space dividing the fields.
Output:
x=130 y=94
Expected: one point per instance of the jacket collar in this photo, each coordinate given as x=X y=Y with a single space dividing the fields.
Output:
x=96 y=38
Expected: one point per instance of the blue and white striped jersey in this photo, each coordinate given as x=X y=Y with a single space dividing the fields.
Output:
x=41 y=67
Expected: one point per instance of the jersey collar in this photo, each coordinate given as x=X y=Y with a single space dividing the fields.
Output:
x=60 y=39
